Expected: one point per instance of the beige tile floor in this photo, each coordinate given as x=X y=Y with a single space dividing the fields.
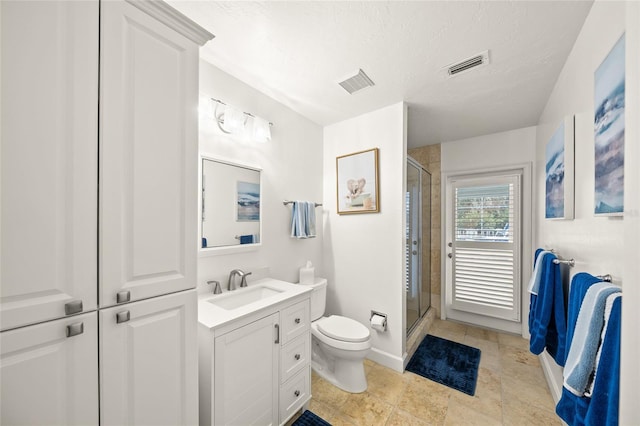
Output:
x=511 y=389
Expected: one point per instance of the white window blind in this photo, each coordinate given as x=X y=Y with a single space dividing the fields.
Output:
x=485 y=247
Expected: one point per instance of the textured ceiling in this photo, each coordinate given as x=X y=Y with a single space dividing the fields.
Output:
x=297 y=52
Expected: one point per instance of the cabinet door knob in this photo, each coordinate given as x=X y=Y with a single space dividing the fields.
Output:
x=75 y=329
x=123 y=296
x=297 y=357
x=297 y=320
x=123 y=316
x=73 y=307
x=297 y=393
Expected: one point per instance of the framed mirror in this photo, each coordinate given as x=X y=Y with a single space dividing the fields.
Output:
x=230 y=214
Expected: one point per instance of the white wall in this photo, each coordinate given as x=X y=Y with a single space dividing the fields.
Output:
x=363 y=252
x=629 y=413
x=599 y=245
x=291 y=166
x=485 y=153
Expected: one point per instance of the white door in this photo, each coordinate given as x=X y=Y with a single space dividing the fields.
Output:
x=49 y=373
x=246 y=374
x=483 y=249
x=148 y=156
x=49 y=149
x=149 y=362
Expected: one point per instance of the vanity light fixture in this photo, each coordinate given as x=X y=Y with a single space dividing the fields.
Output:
x=231 y=120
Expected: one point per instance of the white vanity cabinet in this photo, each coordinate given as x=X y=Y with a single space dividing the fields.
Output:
x=256 y=369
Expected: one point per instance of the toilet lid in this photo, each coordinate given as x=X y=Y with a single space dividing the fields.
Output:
x=344 y=329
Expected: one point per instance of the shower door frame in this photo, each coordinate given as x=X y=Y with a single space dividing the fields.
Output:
x=409 y=243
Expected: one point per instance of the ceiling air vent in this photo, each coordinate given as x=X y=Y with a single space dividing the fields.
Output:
x=357 y=82
x=478 y=60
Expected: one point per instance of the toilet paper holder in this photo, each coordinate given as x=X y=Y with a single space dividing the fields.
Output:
x=380 y=323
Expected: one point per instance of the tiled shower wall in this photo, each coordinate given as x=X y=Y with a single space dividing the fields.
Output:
x=429 y=157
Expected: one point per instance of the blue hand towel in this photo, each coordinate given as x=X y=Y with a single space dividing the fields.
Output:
x=547 y=319
x=303 y=220
x=246 y=239
x=603 y=409
x=581 y=360
x=579 y=286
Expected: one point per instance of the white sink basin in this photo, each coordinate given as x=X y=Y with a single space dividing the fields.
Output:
x=244 y=296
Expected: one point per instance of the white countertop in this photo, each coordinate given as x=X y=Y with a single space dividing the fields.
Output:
x=212 y=316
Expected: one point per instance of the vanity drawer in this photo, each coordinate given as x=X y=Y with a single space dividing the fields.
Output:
x=295 y=321
x=295 y=393
x=294 y=355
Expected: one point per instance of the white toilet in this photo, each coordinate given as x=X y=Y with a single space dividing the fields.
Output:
x=339 y=344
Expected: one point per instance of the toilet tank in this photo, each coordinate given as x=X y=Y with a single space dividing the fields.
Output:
x=318 y=297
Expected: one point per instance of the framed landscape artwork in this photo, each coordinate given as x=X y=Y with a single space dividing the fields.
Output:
x=559 y=172
x=357 y=180
x=609 y=126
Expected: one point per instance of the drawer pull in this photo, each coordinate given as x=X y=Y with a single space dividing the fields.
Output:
x=73 y=307
x=297 y=320
x=297 y=357
x=75 y=329
x=123 y=316
x=123 y=296
x=297 y=393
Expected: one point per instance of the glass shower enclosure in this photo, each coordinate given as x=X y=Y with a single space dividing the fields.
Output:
x=418 y=243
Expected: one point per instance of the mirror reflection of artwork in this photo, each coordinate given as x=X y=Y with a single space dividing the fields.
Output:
x=609 y=127
x=248 y=201
x=230 y=214
x=357 y=177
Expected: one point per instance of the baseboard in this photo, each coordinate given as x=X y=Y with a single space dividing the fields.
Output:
x=384 y=358
x=553 y=374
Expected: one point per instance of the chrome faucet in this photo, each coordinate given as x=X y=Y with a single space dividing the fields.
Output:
x=243 y=279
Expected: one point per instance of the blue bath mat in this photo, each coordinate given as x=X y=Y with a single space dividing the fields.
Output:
x=309 y=419
x=449 y=363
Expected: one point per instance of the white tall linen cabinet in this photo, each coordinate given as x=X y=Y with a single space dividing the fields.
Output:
x=98 y=216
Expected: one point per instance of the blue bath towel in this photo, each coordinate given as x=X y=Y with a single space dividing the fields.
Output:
x=579 y=286
x=581 y=360
x=603 y=409
x=547 y=319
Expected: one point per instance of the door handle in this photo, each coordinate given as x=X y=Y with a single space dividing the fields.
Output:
x=277 y=327
x=73 y=307
x=75 y=329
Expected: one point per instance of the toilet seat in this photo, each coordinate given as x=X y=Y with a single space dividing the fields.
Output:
x=343 y=329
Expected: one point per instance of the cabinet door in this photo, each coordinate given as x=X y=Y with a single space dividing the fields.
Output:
x=148 y=156
x=47 y=377
x=246 y=374
x=149 y=362
x=48 y=160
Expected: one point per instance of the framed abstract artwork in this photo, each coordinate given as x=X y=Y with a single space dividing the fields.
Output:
x=609 y=127
x=357 y=181
x=559 y=172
